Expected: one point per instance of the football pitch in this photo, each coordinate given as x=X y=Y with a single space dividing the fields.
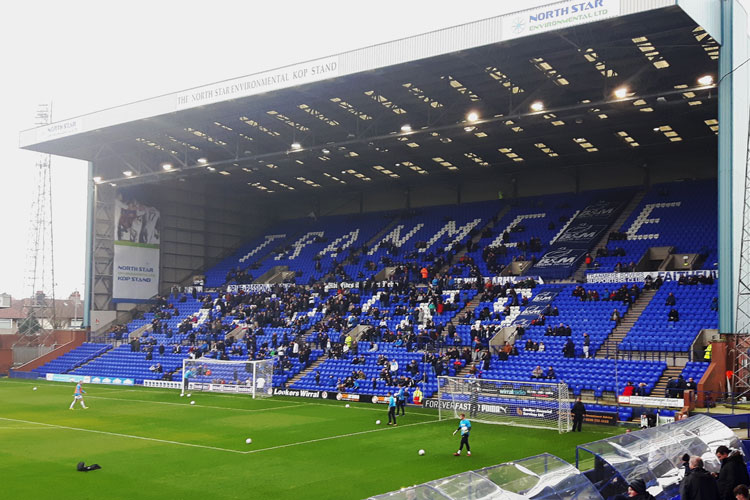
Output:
x=151 y=443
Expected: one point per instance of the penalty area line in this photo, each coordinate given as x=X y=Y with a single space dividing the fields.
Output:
x=329 y=438
x=117 y=434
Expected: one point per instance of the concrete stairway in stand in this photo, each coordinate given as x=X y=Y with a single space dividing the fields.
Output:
x=609 y=348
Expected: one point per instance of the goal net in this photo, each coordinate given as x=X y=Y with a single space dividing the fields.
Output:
x=524 y=404
x=213 y=375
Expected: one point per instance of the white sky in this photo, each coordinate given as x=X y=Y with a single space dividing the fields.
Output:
x=85 y=56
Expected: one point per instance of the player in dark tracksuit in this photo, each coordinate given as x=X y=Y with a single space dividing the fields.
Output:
x=578 y=411
x=401 y=400
x=391 y=409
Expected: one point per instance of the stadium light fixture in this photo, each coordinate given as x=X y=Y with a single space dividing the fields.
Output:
x=127 y=173
x=472 y=116
x=202 y=161
x=537 y=106
x=621 y=93
x=167 y=167
x=706 y=80
x=406 y=128
x=97 y=179
x=296 y=145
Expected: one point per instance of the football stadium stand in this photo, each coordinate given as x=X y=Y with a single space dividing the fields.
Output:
x=436 y=291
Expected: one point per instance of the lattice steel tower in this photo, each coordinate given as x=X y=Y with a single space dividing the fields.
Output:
x=742 y=317
x=739 y=350
x=40 y=266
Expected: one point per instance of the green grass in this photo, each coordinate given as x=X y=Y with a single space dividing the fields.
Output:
x=301 y=448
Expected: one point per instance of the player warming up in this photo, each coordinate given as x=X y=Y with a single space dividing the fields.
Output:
x=78 y=396
x=391 y=409
x=465 y=427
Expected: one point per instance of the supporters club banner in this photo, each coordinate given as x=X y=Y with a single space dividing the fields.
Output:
x=135 y=276
x=640 y=277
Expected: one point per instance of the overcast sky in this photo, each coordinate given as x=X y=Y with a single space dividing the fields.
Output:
x=85 y=56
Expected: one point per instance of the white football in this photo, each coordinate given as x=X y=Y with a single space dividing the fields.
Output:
x=188 y=395
x=346 y=405
x=192 y=402
x=421 y=452
x=248 y=440
x=34 y=388
x=377 y=422
x=182 y=395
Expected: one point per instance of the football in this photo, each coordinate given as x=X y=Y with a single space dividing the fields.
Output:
x=192 y=402
x=188 y=395
x=377 y=422
x=34 y=388
x=182 y=395
x=346 y=405
x=248 y=440
x=421 y=452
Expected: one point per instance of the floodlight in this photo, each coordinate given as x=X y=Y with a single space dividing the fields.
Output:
x=706 y=80
x=621 y=93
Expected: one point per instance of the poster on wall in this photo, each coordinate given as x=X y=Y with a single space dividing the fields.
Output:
x=135 y=276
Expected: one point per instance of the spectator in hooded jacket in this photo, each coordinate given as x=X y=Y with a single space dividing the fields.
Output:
x=733 y=472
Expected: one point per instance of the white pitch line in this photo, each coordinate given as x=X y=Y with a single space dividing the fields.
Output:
x=20 y=428
x=123 y=435
x=337 y=437
x=117 y=434
x=200 y=405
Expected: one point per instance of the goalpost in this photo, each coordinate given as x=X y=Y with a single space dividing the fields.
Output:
x=213 y=375
x=524 y=404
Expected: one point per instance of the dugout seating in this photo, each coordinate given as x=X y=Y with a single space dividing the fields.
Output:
x=74 y=358
x=652 y=331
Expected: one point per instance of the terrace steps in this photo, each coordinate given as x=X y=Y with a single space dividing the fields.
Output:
x=609 y=348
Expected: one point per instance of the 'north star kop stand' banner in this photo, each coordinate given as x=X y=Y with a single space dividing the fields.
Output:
x=136 y=270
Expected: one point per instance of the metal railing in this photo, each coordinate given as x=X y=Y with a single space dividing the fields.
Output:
x=667 y=356
x=24 y=354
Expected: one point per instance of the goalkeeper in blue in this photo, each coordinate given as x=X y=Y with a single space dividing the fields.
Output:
x=465 y=427
x=78 y=396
